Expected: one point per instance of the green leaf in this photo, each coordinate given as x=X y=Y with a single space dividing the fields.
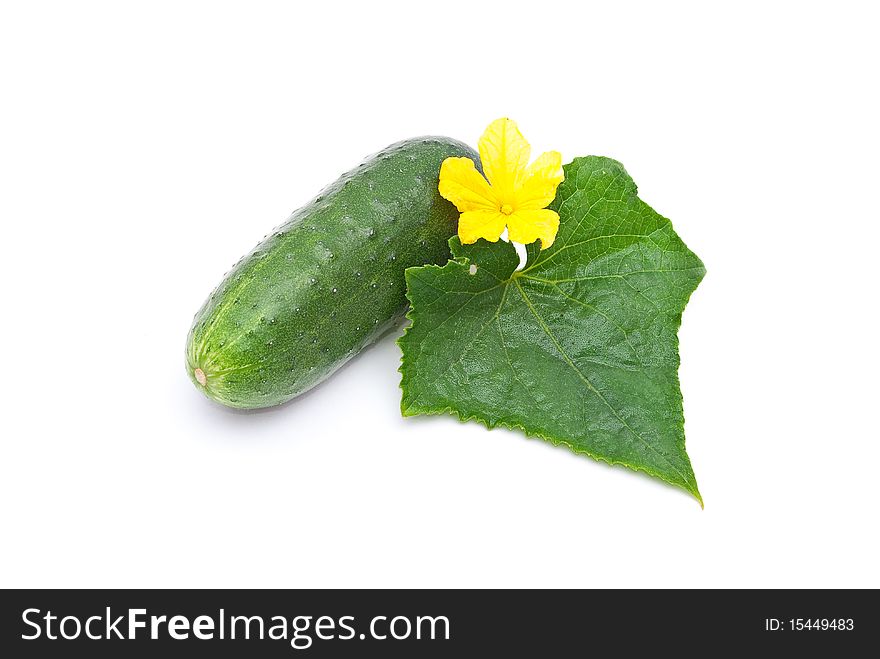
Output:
x=580 y=347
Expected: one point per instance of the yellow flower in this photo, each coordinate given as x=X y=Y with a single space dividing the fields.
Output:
x=515 y=194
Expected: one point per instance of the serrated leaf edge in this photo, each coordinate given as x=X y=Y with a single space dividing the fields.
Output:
x=415 y=410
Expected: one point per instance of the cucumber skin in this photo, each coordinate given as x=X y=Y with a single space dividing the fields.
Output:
x=326 y=283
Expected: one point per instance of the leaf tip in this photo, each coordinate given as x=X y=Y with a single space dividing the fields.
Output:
x=699 y=497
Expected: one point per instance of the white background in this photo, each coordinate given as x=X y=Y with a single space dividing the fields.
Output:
x=146 y=146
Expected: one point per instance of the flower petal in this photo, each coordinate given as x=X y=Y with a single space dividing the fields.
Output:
x=504 y=153
x=488 y=224
x=464 y=186
x=540 y=181
x=527 y=226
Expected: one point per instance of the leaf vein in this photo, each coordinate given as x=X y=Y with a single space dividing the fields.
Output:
x=591 y=387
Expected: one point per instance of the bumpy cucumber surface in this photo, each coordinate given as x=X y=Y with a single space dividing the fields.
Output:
x=326 y=283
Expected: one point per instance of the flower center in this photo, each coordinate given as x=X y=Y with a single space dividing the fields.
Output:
x=507 y=209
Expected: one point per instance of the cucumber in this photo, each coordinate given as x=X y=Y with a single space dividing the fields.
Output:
x=326 y=283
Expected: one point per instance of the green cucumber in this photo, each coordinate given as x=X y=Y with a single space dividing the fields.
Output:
x=326 y=283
